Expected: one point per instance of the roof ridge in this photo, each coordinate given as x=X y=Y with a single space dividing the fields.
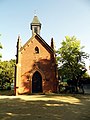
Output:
x=45 y=42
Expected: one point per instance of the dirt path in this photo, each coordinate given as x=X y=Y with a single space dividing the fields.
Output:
x=45 y=107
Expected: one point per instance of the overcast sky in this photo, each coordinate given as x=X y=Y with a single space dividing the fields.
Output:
x=59 y=18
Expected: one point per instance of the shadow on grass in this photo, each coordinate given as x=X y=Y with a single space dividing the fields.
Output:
x=45 y=107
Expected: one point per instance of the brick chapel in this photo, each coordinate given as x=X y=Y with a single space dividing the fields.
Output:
x=36 y=68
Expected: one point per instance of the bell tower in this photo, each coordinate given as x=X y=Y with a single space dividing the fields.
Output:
x=35 y=25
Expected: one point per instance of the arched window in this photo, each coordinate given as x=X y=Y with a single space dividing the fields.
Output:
x=36 y=50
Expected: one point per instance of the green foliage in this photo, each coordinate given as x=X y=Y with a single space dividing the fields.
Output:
x=70 y=58
x=7 y=69
x=0 y=48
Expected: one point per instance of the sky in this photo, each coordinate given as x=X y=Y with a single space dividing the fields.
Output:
x=59 y=18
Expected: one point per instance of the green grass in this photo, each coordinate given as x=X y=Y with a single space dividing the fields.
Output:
x=7 y=92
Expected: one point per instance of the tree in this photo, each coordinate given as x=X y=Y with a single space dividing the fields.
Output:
x=0 y=48
x=70 y=58
x=7 y=73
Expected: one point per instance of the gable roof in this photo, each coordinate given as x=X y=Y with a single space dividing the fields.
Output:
x=39 y=38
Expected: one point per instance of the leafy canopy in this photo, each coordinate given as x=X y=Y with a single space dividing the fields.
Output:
x=7 y=71
x=70 y=58
x=0 y=48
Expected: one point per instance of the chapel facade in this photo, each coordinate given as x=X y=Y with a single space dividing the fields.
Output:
x=36 y=68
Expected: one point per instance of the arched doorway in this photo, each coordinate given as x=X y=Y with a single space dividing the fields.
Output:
x=36 y=82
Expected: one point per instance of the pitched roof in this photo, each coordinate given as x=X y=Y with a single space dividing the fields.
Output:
x=38 y=37
x=35 y=20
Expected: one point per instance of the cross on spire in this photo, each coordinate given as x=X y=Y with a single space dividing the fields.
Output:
x=35 y=11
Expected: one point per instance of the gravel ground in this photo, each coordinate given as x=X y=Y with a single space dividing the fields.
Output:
x=45 y=107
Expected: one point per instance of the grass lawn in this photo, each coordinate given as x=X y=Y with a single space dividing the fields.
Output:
x=45 y=107
x=7 y=92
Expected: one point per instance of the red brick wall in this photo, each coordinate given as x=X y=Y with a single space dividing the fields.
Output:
x=43 y=63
